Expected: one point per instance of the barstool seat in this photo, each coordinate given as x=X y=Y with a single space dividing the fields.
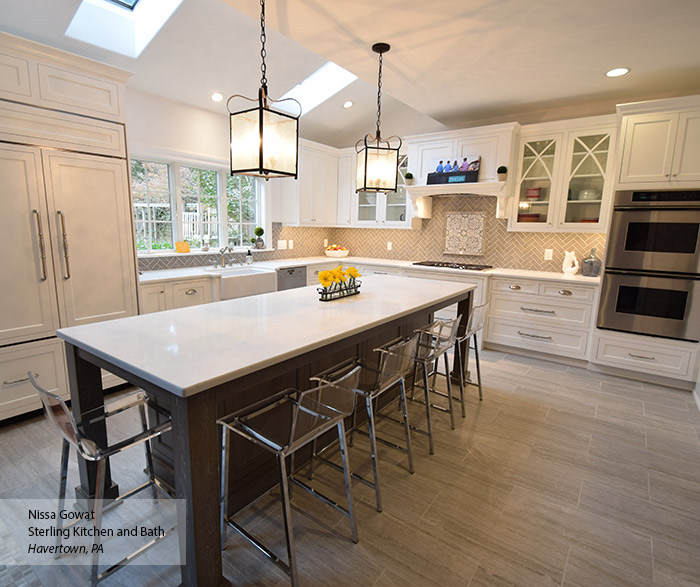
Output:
x=74 y=434
x=283 y=424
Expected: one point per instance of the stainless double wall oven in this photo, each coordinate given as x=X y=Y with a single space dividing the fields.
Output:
x=651 y=283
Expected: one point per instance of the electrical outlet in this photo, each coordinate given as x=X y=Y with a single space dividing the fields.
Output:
x=281 y=245
x=291 y=244
x=325 y=243
x=388 y=245
x=548 y=254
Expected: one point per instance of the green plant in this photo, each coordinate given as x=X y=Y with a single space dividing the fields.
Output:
x=259 y=231
x=408 y=175
x=252 y=240
x=502 y=169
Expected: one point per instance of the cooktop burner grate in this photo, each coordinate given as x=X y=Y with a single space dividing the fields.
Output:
x=465 y=266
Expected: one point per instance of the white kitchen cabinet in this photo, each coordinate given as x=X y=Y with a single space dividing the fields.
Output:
x=661 y=147
x=564 y=181
x=312 y=272
x=169 y=295
x=385 y=209
x=346 y=188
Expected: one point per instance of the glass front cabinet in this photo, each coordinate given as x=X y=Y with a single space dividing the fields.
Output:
x=388 y=210
x=564 y=179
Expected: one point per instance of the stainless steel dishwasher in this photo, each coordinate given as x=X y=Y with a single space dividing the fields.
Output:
x=291 y=277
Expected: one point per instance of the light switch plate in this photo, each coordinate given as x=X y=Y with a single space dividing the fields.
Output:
x=548 y=254
x=325 y=243
x=388 y=245
x=291 y=244
x=281 y=245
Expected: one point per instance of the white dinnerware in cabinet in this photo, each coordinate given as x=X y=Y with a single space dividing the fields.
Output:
x=661 y=147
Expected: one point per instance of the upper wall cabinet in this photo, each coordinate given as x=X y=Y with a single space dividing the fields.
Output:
x=563 y=176
x=661 y=147
x=60 y=81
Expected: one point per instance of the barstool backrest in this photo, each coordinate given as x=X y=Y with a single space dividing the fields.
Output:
x=477 y=319
x=326 y=401
x=396 y=360
x=438 y=337
x=59 y=415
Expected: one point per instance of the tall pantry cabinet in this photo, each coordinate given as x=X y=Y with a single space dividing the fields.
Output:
x=68 y=249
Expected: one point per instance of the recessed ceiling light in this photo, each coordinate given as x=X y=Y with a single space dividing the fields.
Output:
x=217 y=97
x=348 y=104
x=617 y=72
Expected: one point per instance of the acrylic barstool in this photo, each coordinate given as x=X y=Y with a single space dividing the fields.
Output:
x=477 y=319
x=434 y=342
x=395 y=363
x=307 y=415
x=73 y=433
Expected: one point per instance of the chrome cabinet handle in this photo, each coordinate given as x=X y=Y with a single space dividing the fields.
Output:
x=190 y=292
x=565 y=292
x=642 y=357
x=537 y=336
x=524 y=309
x=514 y=287
x=380 y=273
x=42 y=244
x=22 y=380
x=64 y=235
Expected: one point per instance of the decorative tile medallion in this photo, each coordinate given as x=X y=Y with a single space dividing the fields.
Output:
x=464 y=233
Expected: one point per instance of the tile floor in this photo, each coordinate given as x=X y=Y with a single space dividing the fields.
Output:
x=560 y=476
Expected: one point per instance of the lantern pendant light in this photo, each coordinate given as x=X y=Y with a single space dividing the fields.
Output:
x=264 y=142
x=377 y=159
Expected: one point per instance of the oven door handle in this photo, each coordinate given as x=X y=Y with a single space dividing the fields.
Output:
x=684 y=276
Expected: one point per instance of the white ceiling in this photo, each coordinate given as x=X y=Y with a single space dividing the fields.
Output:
x=453 y=63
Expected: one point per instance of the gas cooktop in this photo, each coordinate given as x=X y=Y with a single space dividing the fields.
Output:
x=465 y=266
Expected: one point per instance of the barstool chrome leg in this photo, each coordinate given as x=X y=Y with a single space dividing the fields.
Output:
x=97 y=520
x=458 y=363
x=427 y=408
x=65 y=454
x=478 y=366
x=149 y=456
x=346 y=472
x=310 y=474
x=449 y=390
x=225 y=468
x=287 y=511
x=373 y=451
x=407 y=427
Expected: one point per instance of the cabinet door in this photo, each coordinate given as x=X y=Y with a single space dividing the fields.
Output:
x=152 y=298
x=366 y=209
x=308 y=178
x=191 y=293
x=328 y=195
x=29 y=309
x=648 y=147
x=539 y=162
x=395 y=204
x=346 y=189
x=686 y=155
x=93 y=238
x=430 y=154
x=585 y=175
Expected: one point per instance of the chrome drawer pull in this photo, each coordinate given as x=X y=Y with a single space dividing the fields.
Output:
x=537 y=336
x=524 y=309
x=565 y=292
x=514 y=287
x=190 y=292
x=62 y=216
x=42 y=244
x=36 y=375
x=642 y=357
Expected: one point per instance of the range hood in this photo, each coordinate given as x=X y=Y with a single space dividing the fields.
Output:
x=499 y=189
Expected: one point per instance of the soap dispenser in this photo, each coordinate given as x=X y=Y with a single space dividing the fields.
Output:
x=249 y=258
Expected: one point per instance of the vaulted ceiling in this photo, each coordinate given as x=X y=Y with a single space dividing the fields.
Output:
x=453 y=63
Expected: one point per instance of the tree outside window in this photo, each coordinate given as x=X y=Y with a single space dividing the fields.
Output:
x=241 y=209
x=152 y=205
x=200 y=214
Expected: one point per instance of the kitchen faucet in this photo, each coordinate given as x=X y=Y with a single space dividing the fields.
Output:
x=222 y=251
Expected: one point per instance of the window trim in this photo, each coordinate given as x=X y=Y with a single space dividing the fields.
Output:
x=174 y=162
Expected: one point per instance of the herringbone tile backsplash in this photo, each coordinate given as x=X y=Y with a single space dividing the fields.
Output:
x=519 y=250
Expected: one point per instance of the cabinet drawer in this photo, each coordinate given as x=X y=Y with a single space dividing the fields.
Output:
x=191 y=293
x=646 y=358
x=534 y=310
x=556 y=341
x=567 y=292
x=312 y=272
x=515 y=286
x=45 y=359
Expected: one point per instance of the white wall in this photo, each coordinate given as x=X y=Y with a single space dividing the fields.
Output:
x=159 y=127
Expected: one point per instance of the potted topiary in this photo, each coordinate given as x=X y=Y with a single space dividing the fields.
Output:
x=502 y=172
x=409 y=178
x=258 y=242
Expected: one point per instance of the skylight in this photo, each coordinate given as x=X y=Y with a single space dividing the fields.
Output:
x=105 y=23
x=323 y=83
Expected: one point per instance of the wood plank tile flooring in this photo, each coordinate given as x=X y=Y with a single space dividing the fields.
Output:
x=560 y=477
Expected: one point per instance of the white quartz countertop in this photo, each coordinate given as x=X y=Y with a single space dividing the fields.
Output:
x=544 y=275
x=191 y=349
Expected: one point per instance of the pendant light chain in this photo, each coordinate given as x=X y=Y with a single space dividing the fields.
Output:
x=263 y=52
x=379 y=97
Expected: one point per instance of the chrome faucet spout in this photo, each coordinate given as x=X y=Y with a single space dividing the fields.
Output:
x=222 y=252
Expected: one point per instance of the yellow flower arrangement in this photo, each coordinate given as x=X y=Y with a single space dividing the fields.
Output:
x=338 y=282
x=326 y=278
x=352 y=272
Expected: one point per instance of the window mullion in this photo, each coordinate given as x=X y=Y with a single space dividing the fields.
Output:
x=176 y=195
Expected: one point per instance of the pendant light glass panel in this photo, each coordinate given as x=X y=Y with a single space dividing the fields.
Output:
x=377 y=168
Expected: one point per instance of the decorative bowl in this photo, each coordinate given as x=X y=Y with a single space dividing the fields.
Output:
x=336 y=253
